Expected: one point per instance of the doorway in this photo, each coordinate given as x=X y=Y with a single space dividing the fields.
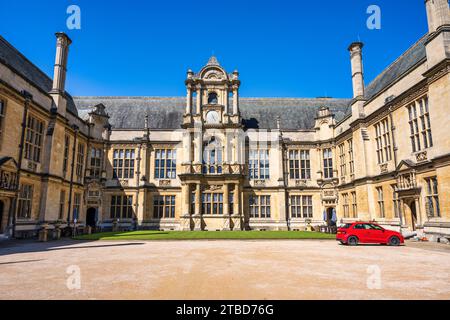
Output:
x=412 y=217
x=331 y=217
x=2 y=206
x=91 y=217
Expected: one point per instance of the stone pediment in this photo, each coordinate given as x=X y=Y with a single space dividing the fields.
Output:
x=8 y=163
x=405 y=165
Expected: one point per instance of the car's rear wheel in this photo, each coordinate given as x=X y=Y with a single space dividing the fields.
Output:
x=352 y=241
x=394 y=241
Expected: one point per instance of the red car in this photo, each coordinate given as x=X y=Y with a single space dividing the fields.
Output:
x=367 y=232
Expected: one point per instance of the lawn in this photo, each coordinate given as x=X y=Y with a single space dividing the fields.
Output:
x=199 y=235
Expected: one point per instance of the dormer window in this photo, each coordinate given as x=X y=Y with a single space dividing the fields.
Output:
x=212 y=98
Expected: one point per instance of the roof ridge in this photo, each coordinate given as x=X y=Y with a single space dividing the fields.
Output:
x=183 y=97
x=390 y=66
x=25 y=58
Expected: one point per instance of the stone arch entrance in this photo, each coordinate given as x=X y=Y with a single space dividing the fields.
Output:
x=2 y=207
x=91 y=217
x=411 y=214
x=331 y=217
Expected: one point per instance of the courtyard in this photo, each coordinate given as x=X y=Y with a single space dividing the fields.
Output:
x=222 y=269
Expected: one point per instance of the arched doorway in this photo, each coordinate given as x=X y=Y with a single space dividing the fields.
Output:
x=2 y=206
x=411 y=215
x=331 y=217
x=91 y=217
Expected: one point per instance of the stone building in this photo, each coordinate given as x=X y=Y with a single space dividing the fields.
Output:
x=215 y=161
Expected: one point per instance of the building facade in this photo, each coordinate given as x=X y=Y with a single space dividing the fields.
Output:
x=215 y=161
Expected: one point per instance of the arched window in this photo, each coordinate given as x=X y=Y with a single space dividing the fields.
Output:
x=212 y=98
x=212 y=157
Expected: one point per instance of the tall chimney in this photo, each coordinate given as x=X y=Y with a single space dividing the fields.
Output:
x=438 y=14
x=62 y=50
x=357 y=69
x=437 y=44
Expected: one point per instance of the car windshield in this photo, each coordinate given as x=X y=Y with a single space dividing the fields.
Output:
x=345 y=226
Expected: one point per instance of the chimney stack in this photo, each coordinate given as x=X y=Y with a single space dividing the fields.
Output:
x=438 y=14
x=357 y=69
x=62 y=50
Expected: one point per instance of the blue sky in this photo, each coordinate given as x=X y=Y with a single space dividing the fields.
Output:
x=281 y=48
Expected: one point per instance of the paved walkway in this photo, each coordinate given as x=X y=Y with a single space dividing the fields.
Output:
x=222 y=270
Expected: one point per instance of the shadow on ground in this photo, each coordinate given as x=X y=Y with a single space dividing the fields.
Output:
x=24 y=246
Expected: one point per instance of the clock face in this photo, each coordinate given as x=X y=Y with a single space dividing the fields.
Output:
x=212 y=117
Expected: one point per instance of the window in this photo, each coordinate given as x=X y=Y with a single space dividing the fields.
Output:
x=420 y=125
x=80 y=161
x=165 y=164
x=395 y=201
x=432 y=197
x=33 y=139
x=345 y=206
x=328 y=163
x=299 y=164
x=123 y=163
x=96 y=163
x=212 y=98
x=76 y=205
x=212 y=158
x=231 y=203
x=62 y=202
x=93 y=193
x=212 y=203
x=2 y=117
x=258 y=164
x=383 y=140
x=380 y=202
x=164 y=207
x=66 y=153
x=354 y=205
x=342 y=159
x=259 y=206
x=121 y=207
x=351 y=162
x=25 y=200
x=301 y=206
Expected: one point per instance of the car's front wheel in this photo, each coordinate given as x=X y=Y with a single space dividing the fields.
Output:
x=352 y=241
x=394 y=241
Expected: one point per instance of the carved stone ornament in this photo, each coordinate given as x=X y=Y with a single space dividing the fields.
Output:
x=164 y=183
x=422 y=156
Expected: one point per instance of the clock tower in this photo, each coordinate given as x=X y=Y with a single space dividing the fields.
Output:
x=212 y=96
x=213 y=150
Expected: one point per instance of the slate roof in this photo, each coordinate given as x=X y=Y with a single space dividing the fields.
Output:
x=414 y=55
x=16 y=61
x=167 y=113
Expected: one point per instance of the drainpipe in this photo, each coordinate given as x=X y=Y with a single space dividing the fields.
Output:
x=72 y=165
x=28 y=98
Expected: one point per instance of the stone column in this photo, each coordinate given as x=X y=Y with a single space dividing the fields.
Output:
x=235 y=100
x=197 y=216
x=186 y=201
x=226 y=208
x=237 y=217
x=226 y=204
x=189 y=101
x=199 y=100
x=225 y=101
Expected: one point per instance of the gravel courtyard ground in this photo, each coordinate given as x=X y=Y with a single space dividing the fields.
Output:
x=260 y=269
